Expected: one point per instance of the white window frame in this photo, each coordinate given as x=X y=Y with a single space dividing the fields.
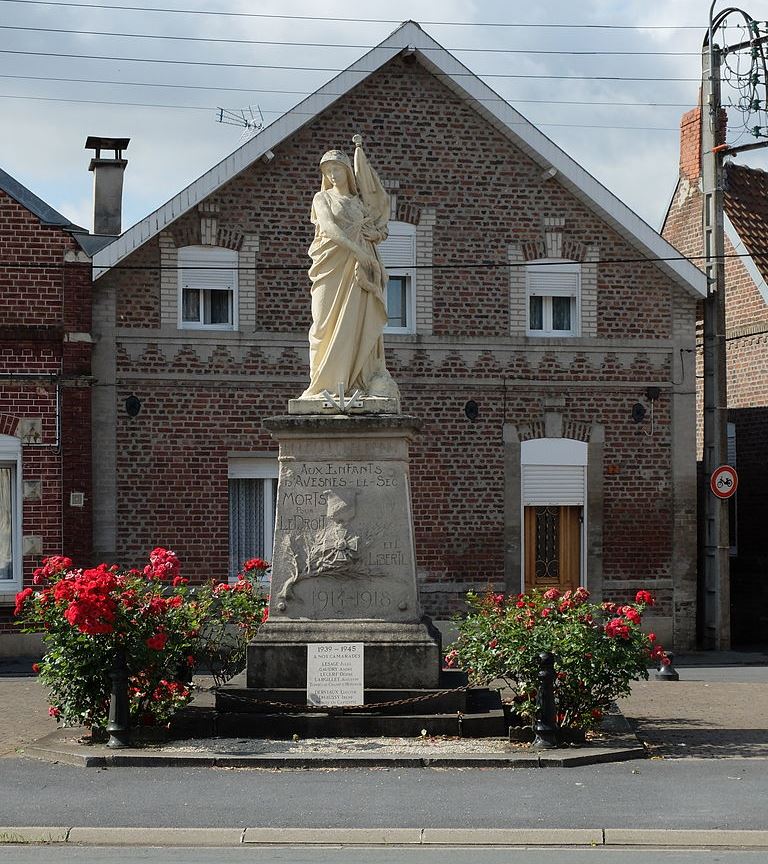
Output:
x=554 y=452
x=564 y=278
x=258 y=468
x=398 y=254
x=10 y=457
x=223 y=268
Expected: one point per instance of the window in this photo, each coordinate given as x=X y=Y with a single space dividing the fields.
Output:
x=207 y=288
x=552 y=293
x=252 y=501
x=398 y=253
x=10 y=513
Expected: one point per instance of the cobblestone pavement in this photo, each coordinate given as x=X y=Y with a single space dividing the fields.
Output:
x=711 y=712
x=23 y=707
x=714 y=711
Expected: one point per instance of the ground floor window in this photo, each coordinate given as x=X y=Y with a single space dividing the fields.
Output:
x=10 y=513
x=252 y=501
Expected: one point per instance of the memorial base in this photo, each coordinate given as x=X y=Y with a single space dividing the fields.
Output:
x=396 y=654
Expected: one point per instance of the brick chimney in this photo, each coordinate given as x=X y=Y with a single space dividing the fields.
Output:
x=690 y=145
x=690 y=142
x=107 y=183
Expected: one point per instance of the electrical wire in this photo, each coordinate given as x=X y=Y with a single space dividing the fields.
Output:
x=208 y=63
x=464 y=265
x=310 y=113
x=212 y=40
x=356 y=20
x=306 y=93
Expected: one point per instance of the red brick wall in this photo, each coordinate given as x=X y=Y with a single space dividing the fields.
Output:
x=172 y=462
x=42 y=298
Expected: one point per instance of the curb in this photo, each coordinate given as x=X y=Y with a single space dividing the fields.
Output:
x=377 y=837
x=58 y=747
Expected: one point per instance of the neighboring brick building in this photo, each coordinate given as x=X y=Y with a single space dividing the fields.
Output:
x=45 y=388
x=746 y=311
x=533 y=322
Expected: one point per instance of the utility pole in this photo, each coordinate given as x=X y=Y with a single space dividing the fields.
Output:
x=716 y=563
x=717 y=593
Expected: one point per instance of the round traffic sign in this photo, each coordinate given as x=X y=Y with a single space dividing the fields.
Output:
x=724 y=481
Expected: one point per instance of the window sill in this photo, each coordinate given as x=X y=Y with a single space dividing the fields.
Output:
x=8 y=597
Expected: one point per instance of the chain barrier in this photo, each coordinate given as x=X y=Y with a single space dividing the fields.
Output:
x=295 y=707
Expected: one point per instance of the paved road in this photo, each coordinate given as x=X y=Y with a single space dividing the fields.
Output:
x=693 y=793
x=37 y=855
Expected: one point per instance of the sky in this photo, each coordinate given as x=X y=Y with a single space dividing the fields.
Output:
x=624 y=132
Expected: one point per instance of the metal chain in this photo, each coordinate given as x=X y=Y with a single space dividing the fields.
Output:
x=295 y=707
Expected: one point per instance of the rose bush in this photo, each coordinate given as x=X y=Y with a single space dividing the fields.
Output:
x=599 y=649
x=161 y=623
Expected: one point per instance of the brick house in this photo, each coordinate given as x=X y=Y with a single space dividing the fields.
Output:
x=746 y=272
x=537 y=327
x=45 y=393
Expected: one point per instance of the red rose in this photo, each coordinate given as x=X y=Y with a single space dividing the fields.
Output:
x=552 y=594
x=493 y=643
x=21 y=599
x=158 y=641
x=632 y=614
x=53 y=711
x=265 y=614
x=36 y=668
x=644 y=597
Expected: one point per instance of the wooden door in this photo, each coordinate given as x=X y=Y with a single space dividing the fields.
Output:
x=552 y=547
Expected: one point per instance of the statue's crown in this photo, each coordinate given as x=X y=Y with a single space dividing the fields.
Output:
x=336 y=156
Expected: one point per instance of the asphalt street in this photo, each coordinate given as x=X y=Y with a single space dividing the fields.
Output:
x=655 y=793
x=339 y=855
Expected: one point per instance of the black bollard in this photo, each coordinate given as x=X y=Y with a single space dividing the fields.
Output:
x=668 y=672
x=545 y=726
x=119 y=723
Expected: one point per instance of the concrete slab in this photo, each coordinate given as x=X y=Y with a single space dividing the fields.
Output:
x=333 y=836
x=194 y=837
x=683 y=838
x=66 y=746
x=513 y=836
x=23 y=834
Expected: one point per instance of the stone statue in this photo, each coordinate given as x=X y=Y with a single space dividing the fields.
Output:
x=350 y=214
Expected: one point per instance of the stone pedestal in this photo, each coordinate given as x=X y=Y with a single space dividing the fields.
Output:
x=344 y=567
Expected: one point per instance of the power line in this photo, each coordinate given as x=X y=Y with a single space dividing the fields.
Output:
x=464 y=265
x=307 y=113
x=357 y=20
x=327 y=69
x=211 y=40
x=306 y=93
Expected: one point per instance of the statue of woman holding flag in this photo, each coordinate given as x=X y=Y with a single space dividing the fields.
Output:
x=350 y=214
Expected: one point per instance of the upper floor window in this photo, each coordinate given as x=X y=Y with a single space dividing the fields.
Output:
x=10 y=513
x=553 y=298
x=207 y=288
x=398 y=253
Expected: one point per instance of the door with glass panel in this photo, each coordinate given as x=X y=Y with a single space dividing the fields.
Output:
x=552 y=547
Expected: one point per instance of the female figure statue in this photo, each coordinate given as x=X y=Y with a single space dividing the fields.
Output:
x=350 y=214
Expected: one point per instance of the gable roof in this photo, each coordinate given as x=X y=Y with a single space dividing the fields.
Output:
x=746 y=209
x=499 y=113
x=44 y=212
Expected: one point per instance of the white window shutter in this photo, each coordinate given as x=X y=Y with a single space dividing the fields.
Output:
x=545 y=485
x=208 y=267
x=399 y=249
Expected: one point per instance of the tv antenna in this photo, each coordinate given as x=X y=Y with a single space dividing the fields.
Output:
x=245 y=118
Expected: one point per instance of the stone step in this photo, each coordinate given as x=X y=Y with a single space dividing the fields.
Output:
x=285 y=726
